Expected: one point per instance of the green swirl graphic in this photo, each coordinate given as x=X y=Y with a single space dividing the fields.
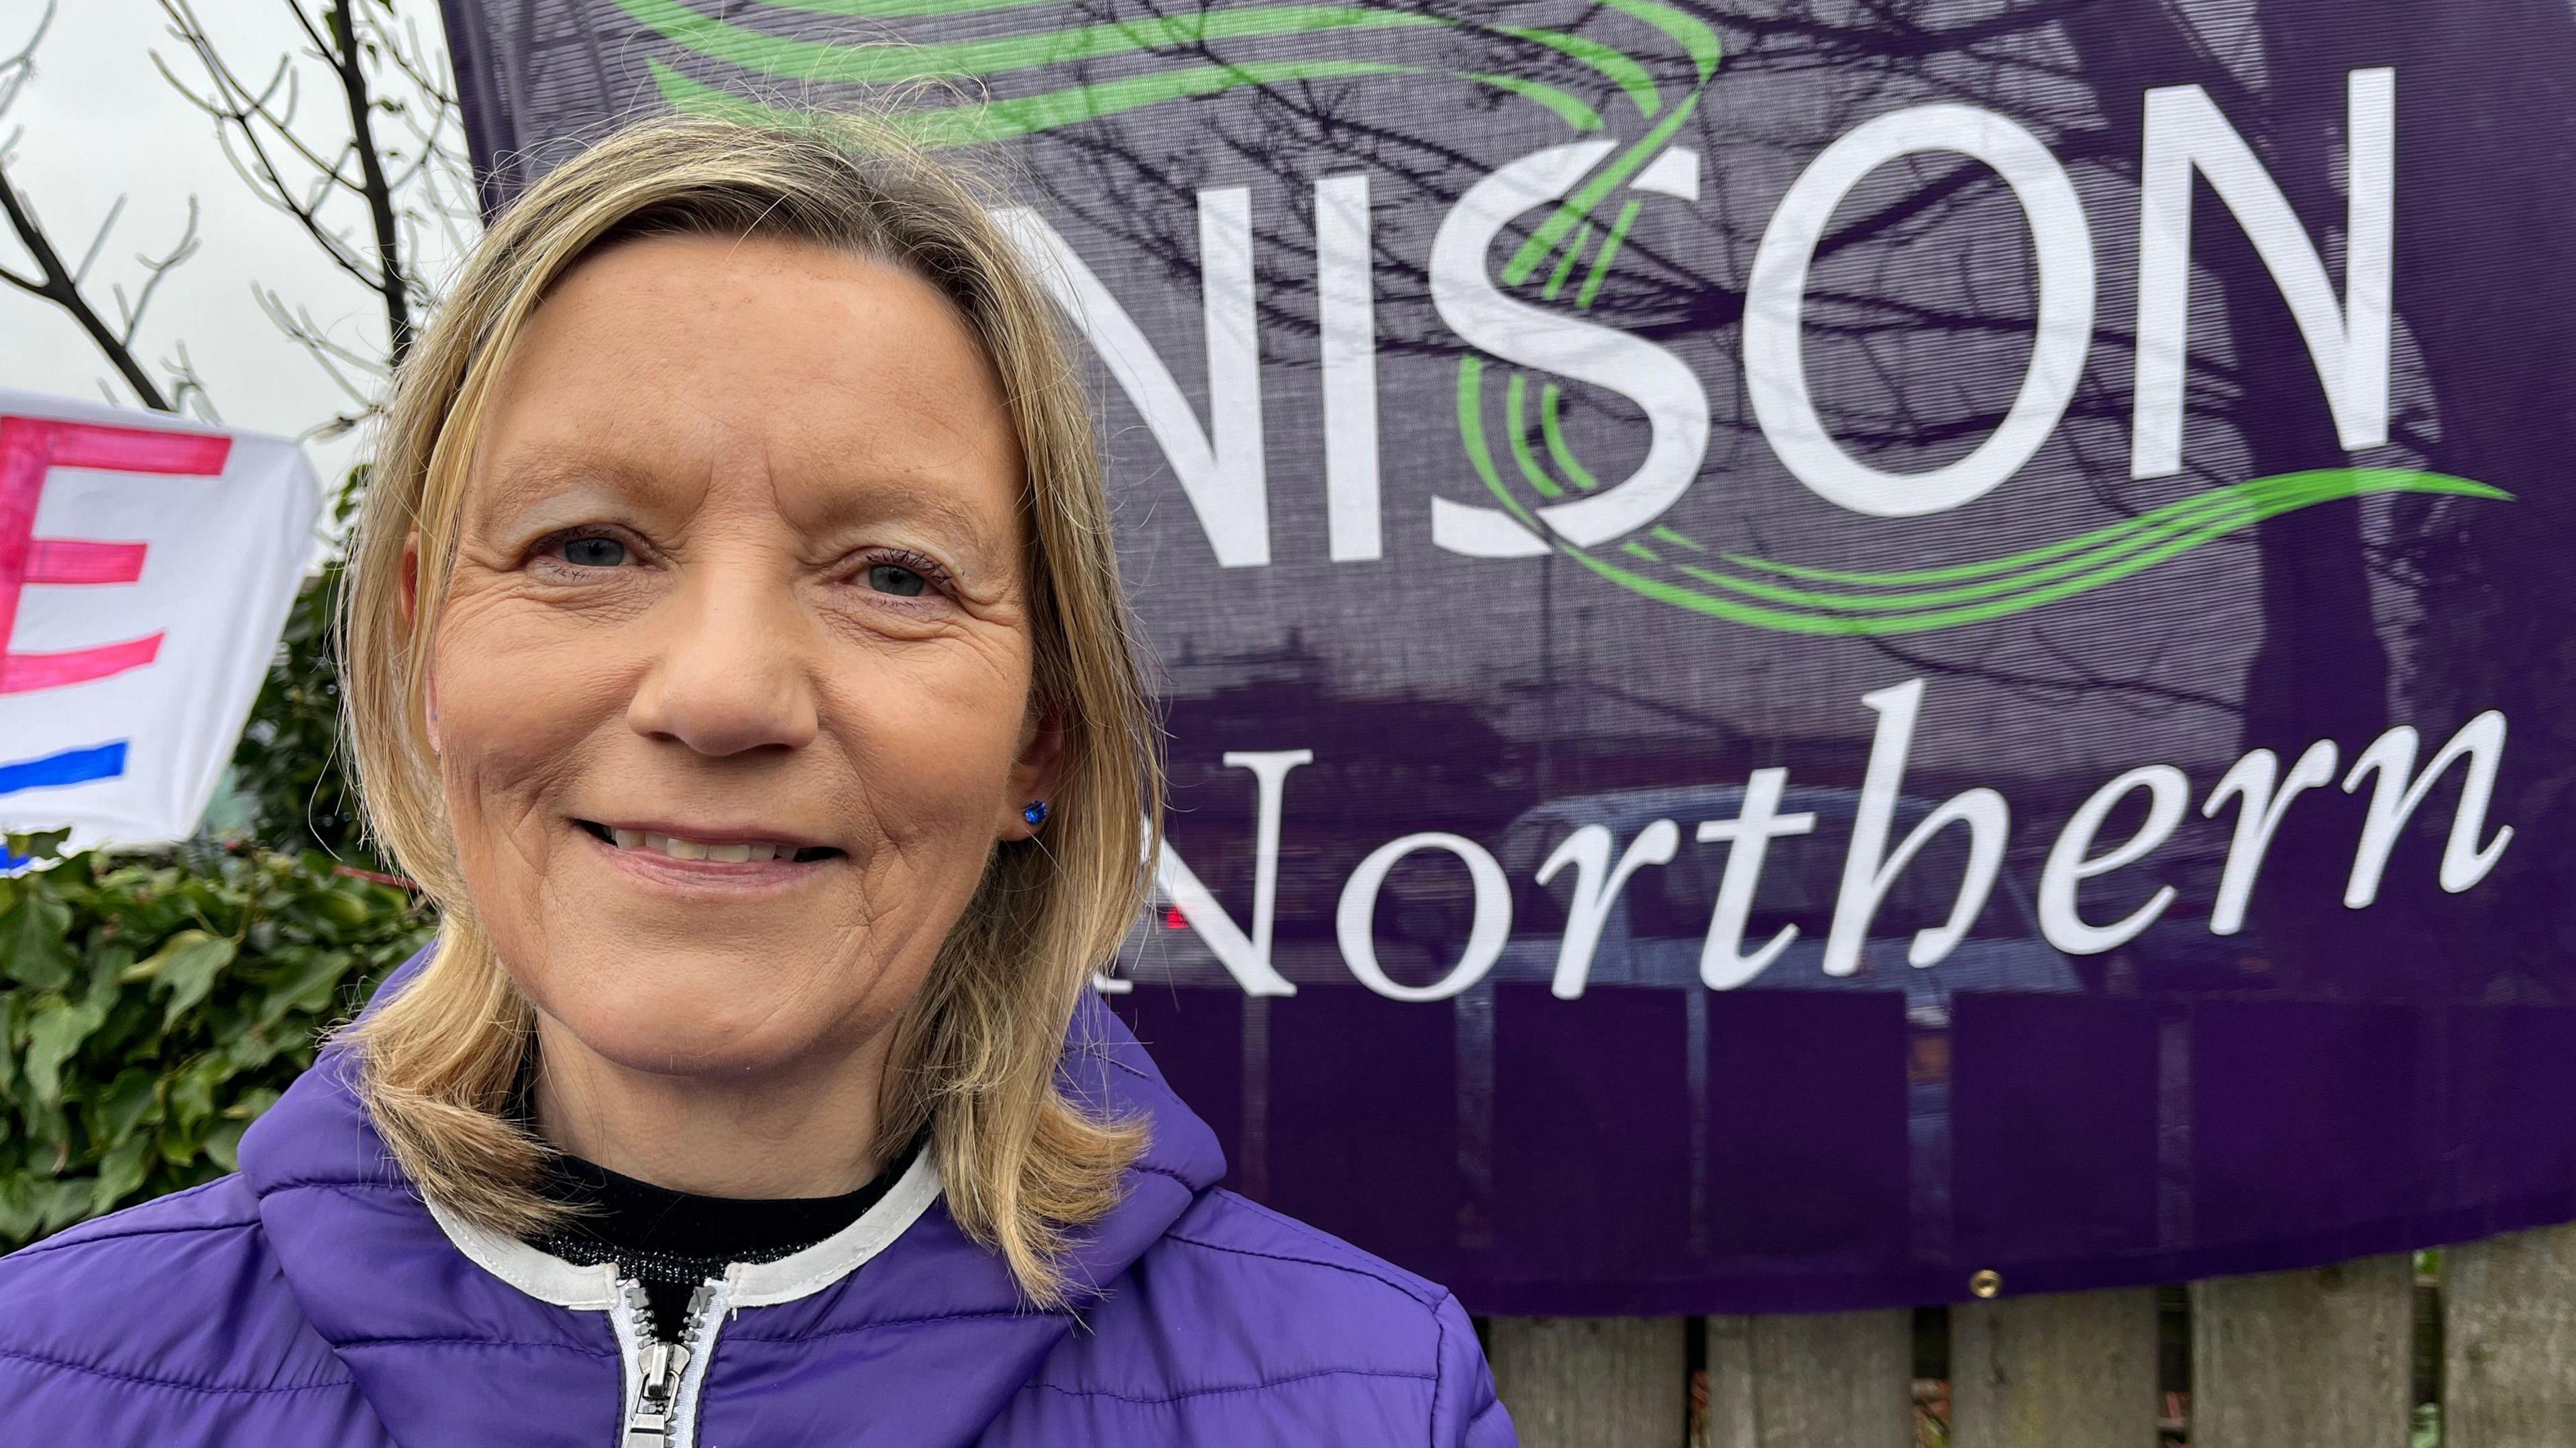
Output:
x=1902 y=603
x=807 y=62
x=939 y=129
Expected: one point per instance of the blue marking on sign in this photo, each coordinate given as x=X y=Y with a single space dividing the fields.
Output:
x=72 y=766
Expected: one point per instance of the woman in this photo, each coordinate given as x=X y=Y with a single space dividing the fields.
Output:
x=736 y=656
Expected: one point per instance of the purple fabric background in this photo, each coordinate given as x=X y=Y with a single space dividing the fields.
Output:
x=2327 y=1083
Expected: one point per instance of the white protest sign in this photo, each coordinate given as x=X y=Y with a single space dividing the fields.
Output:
x=147 y=564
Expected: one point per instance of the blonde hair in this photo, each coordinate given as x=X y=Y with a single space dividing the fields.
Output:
x=975 y=1055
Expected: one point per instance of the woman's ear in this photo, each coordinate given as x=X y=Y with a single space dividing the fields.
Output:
x=411 y=578
x=1036 y=772
x=411 y=618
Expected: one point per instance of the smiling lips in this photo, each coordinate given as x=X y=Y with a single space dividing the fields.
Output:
x=730 y=852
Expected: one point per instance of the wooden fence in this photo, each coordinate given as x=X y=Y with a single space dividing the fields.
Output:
x=2478 y=1352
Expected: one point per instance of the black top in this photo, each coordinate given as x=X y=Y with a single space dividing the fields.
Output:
x=670 y=1242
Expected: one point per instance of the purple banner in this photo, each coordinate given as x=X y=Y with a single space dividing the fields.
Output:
x=1810 y=650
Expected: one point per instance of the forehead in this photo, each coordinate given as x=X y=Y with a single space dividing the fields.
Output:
x=662 y=365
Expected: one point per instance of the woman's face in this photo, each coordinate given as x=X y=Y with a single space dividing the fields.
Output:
x=731 y=690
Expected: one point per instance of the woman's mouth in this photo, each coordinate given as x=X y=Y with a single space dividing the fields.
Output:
x=718 y=852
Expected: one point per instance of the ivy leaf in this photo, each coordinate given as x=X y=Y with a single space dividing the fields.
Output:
x=126 y=1103
x=123 y=1170
x=255 y=1048
x=182 y=1146
x=52 y=1037
x=19 y=1208
x=223 y=1144
x=186 y=967
x=346 y=908
x=33 y=941
x=48 y=1132
x=192 y=1099
x=107 y=967
x=65 y=1204
x=308 y=988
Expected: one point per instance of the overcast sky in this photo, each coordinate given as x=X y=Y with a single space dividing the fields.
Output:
x=97 y=122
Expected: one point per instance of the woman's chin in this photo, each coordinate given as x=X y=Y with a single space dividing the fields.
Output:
x=699 y=1026
x=699 y=1048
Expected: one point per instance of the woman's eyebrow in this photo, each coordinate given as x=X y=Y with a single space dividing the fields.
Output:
x=539 y=473
x=900 y=501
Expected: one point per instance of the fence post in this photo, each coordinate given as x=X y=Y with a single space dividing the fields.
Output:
x=1591 y=1382
x=2509 y=1356
x=1830 y=1380
x=2071 y=1371
x=2318 y=1359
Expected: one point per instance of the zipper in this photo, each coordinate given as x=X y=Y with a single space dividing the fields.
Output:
x=663 y=1415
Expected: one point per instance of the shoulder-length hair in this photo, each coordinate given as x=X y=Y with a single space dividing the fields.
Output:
x=974 y=1062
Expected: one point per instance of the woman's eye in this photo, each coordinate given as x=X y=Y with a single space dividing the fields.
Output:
x=594 y=552
x=896 y=579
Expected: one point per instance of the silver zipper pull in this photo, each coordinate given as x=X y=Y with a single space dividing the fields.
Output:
x=649 y=1426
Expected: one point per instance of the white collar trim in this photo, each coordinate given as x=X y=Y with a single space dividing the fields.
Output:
x=541 y=1275
x=549 y=1278
x=801 y=1274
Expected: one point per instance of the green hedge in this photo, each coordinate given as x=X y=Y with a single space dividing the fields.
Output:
x=152 y=1004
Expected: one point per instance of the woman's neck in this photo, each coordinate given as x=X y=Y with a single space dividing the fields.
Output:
x=808 y=1133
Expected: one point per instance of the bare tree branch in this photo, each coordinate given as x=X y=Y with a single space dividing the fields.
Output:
x=60 y=283
x=363 y=196
x=380 y=200
x=155 y=268
x=54 y=283
x=90 y=258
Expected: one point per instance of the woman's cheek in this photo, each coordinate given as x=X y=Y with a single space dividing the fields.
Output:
x=522 y=700
x=510 y=726
x=514 y=667
x=943 y=738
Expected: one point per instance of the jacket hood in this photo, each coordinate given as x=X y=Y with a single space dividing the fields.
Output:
x=446 y=1351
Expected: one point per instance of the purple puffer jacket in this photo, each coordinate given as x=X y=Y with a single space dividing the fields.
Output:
x=314 y=1300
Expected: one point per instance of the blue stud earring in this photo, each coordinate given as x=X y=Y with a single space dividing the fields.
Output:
x=1035 y=812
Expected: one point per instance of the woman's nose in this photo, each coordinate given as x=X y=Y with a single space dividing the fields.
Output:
x=731 y=669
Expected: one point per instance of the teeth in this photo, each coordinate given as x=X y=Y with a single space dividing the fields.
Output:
x=686 y=849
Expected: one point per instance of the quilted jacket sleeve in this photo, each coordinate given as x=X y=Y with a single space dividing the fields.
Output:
x=1464 y=1411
